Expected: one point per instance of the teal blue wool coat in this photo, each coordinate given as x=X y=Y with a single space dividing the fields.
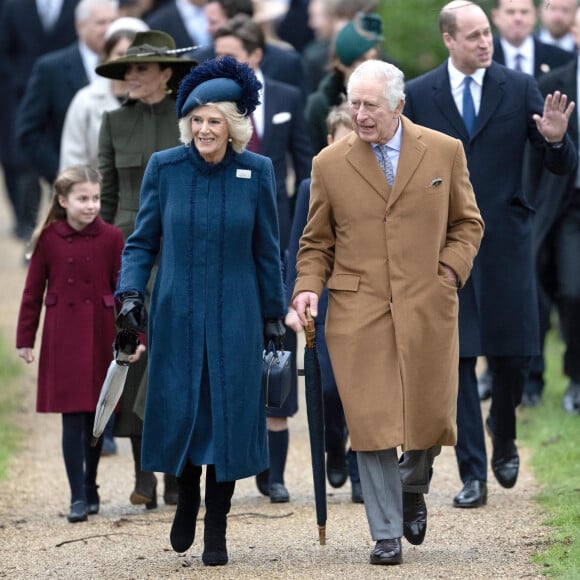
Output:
x=219 y=277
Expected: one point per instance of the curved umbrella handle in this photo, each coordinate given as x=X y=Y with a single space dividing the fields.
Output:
x=310 y=329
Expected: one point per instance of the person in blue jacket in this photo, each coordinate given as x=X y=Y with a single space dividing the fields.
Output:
x=218 y=297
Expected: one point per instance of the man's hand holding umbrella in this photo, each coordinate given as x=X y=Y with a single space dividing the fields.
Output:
x=301 y=302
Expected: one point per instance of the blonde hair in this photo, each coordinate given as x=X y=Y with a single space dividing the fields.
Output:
x=338 y=116
x=239 y=126
x=63 y=185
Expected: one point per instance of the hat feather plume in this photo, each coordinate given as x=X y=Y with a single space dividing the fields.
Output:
x=223 y=67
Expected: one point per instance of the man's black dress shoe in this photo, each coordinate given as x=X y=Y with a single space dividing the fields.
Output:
x=505 y=461
x=336 y=469
x=356 y=492
x=414 y=517
x=387 y=552
x=278 y=493
x=473 y=495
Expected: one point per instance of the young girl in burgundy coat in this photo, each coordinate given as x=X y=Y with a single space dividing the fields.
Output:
x=73 y=269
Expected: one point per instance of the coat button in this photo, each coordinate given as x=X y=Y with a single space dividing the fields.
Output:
x=70 y=281
x=70 y=260
x=87 y=301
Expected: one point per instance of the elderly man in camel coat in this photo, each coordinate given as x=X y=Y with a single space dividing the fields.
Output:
x=392 y=257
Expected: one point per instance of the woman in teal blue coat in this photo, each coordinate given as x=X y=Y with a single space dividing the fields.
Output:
x=217 y=297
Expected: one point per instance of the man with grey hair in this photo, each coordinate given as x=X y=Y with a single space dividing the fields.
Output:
x=392 y=232
x=54 y=81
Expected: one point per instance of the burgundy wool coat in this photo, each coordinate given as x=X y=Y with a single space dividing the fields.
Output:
x=74 y=273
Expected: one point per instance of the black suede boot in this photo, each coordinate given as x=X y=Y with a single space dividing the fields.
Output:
x=145 y=491
x=218 y=500
x=170 y=489
x=188 y=500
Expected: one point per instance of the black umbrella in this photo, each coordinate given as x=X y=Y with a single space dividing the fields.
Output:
x=315 y=413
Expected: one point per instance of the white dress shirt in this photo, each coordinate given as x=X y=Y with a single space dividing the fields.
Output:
x=195 y=22
x=526 y=50
x=457 y=80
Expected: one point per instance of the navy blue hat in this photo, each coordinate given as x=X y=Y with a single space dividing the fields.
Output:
x=217 y=80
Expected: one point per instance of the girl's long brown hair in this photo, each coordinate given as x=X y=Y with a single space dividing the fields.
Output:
x=63 y=185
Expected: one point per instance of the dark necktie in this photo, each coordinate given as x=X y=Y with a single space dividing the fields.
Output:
x=518 y=63
x=468 y=105
x=254 y=142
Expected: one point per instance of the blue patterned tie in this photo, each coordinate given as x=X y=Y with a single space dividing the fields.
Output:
x=386 y=165
x=468 y=106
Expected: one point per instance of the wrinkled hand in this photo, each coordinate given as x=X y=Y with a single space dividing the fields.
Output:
x=133 y=315
x=301 y=301
x=274 y=330
x=292 y=321
x=554 y=120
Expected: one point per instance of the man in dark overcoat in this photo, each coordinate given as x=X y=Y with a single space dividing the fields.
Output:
x=498 y=315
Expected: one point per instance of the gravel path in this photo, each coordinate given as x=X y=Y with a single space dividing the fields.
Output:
x=265 y=540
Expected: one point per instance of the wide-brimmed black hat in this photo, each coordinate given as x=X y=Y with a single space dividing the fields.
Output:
x=149 y=46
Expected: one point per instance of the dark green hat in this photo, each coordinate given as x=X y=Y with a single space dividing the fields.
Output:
x=149 y=46
x=357 y=37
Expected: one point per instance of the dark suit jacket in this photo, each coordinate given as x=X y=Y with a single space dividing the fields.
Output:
x=279 y=64
x=285 y=135
x=498 y=314
x=168 y=18
x=23 y=38
x=55 y=79
x=546 y=56
x=553 y=193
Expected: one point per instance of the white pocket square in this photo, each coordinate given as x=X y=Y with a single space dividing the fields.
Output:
x=280 y=118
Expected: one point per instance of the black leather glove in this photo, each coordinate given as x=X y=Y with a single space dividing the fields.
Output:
x=126 y=343
x=133 y=315
x=274 y=330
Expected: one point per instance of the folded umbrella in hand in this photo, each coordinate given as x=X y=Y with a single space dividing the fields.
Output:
x=126 y=343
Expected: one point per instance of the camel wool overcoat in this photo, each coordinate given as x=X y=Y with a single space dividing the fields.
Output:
x=392 y=319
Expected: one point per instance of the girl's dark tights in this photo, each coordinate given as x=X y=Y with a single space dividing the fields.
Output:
x=80 y=459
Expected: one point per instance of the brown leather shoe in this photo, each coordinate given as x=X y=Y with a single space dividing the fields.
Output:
x=414 y=517
x=387 y=552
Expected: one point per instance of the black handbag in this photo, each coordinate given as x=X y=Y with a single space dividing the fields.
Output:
x=276 y=375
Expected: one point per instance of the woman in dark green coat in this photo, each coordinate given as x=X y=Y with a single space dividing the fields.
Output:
x=128 y=137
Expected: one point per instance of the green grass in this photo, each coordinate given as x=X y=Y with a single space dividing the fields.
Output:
x=10 y=397
x=554 y=438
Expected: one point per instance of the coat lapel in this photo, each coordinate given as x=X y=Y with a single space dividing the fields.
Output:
x=491 y=95
x=444 y=100
x=363 y=160
x=412 y=151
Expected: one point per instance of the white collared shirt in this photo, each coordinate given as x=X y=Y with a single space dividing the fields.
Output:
x=49 y=11
x=195 y=22
x=526 y=50
x=457 y=80
x=90 y=61
x=565 y=43
x=393 y=148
